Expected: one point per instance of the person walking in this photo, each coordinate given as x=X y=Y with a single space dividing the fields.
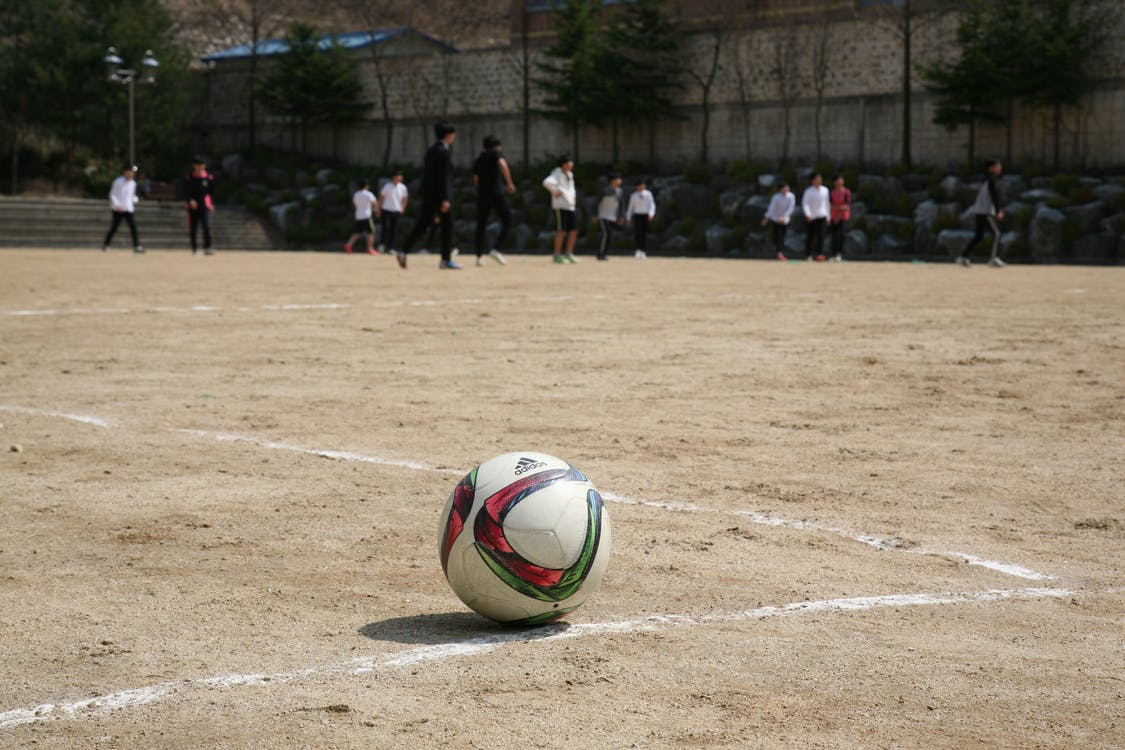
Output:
x=392 y=204
x=493 y=180
x=611 y=213
x=365 y=204
x=437 y=197
x=123 y=202
x=199 y=189
x=641 y=212
x=564 y=202
x=988 y=216
x=840 y=200
x=777 y=216
x=815 y=205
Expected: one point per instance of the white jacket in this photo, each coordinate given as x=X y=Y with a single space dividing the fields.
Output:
x=781 y=207
x=562 y=183
x=123 y=195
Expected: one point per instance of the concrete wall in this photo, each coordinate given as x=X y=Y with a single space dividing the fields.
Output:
x=861 y=113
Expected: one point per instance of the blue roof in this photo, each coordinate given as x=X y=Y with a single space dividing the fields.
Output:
x=350 y=40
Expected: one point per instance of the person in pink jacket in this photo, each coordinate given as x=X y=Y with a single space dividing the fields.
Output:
x=841 y=203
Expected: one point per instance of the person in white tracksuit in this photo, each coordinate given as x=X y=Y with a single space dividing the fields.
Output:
x=123 y=201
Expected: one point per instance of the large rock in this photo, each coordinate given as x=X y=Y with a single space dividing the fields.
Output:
x=967 y=192
x=753 y=210
x=718 y=239
x=730 y=202
x=1008 y=241
x=795 y=244
x=758 y=244
x=1010 y=187
x=924 y=238
x=1110 y=192
x=324 y=176
x=952 y=242
x=1039 y=183
x=1038 y=195
x=891 y=246
x=310 y=194
x=524 y=237
x=1087 y=216
x=859 y=210
x=1095 y=248
x=926 y=213
x=887 y=224
x=1114 y=225
x=232 y=166
x=690 y=199
x=947 y=188
x=769 y=181
x=283 y=214
x=1045 y=238
x=856 y=245
x=545 y=240
x=883 y=185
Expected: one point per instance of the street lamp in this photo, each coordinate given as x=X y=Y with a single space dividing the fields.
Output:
x=129 y=77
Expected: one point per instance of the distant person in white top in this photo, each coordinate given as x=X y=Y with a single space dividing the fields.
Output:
x=611 y=213
x=641 y=211
x=365 y=204
x=123 y=201
x=392 y=202
x=778 y=215
x=815 y=204
x=564 y=201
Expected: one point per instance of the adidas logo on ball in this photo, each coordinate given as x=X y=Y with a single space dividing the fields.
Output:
x=525 y=465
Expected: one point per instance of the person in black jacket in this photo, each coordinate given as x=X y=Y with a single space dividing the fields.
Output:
x=199 y=189
x=493 y=179
x=437 y=196
x=988 y=216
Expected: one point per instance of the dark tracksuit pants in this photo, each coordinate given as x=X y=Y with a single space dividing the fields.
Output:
x=985 y=223
x=608 y=228
x=485 y=204
x=118 y=216
x=640 y=231
x=390 y=227
x=199 y=218
x=814 y=240
x=426 y=219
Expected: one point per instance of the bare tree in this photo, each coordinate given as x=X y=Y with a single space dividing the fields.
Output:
x=703 y=70
x=787 y=78
x=821 y=48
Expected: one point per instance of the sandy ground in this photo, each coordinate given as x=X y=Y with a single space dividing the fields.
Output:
x=856 y=505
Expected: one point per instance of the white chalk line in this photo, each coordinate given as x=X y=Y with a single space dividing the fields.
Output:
x=74 y=311
x=886 y=545
x=137 y=697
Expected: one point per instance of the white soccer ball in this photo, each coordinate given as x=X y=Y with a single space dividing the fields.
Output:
x=524 y=538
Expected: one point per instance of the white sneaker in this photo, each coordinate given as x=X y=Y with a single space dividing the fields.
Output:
x=997 y=263
x=139 y=250
x=963 y=261
x=839 y=258
x=640 y=255
x=454 y=252
x=499 y=257
x=480 y=261
x=382 y=248
x=105 y=248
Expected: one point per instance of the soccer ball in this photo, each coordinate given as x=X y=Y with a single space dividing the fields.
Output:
x=524 y=538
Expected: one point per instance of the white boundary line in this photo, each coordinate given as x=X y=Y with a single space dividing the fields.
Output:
x=884 y=545
x=160 y=692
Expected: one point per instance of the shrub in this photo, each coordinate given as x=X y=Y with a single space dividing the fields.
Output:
x=688 y=225
x=1058 y=201
x=946 y=221
x=906 y=231
x=741 y=171
x=697 y=243
x=897 y=170
x=1064 y=184
x=1081 y=195
x=697 y=173
x=1022 y=218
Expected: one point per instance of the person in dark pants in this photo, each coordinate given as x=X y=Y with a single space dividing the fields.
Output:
x=641 y=212
x=815 y=205
x=493 y=180
x=392 y=202
x=437 y=196
x=778 y=215
x=840 y=200
x=198 y=191
x=988 y=217
x=123 y=201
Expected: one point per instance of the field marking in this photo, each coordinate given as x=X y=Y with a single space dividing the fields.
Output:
x=762 y=519
x=136 y=697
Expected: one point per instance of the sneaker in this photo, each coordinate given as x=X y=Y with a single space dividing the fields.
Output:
x=382 y=248
x=603 y=257
x=454 y=252
x=480 y=261
x=372 y=251
x=139 y=250
x=570 y=258
x=348 y=248
x=498 y=256
x=820 y=259
x=105 y=248
x=963 y=261
x=560 y=259
x=449 y=265
x=400 y=256
x=195 y=251
x=781 y=256
x=839 y=258
x=208 y=251
x=640 y=255
x=997 y=263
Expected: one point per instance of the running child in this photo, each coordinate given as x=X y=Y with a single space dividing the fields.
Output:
x=988 y=217
x=365 y=204
x=123 y=202
x=493 y=180
x=437 y=198
x=641 y=211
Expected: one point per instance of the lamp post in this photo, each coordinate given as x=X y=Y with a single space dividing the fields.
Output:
x=128 y=77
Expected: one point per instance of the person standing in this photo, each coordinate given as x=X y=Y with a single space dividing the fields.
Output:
x=611 y=213
x=437 y=197
x=841 y=204
x=564 y=202
x=392 y=204
x=988 y=217
x=815 y=205
x=123 y=202
x=641 y=211
x=365 y=204
x=198 y=191
x=777 y=216
x=493 y=180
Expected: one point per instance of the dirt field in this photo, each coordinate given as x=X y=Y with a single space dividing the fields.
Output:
x=854 y=505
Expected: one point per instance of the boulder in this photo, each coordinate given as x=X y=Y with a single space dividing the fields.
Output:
x=524 y=237
x=1095 y=248
x=324 y=176
x=753 y=210
x=891 y=246
x=968 y=219
x=947 y=188
x=283 y=214
x=718 y=239
x=952 y=242
x=1087 y=216
x=1040 y=183
x=804 y=174
x=1007 y=240
x=545 y=240
x=926 y=213
x=967 y=192
x=794 y=245
x=859 y=210
x=1038 y=195
x=1010 y=186
x=310 y=194
x=758 y=244
x=769 y=181
x=1110 y=192
x=690 y=199
x=232 y=166
x=677 y=245
x=670 y=231
x=884 y=185
x=277 y=178
x=856 y=245
x=331 y=193
x=887 y=224
x=1114 y=224
x=1045 y=238
x=730 y=202
x=924 y=237
x=1089 y=182
x=917 y=196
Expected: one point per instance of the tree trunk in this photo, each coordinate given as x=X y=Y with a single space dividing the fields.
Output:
x=706 y=130
x=972 y=140
x=13 y=188
x=1008 y=135
x=1057 y=133
x=526 y=88
x=577 y=140
x=616 y=129
x=816 y=124
x=906 y=103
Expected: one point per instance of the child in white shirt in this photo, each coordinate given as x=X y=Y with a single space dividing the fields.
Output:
x=778 y=214
x=816 y=206
x=564 y=201
x=123 y=201
x=365 y=204
x=641 y=211
x=393 y=199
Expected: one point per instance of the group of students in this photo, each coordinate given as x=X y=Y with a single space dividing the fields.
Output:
x=831 y=210
x=199 y=187
x=824 y=211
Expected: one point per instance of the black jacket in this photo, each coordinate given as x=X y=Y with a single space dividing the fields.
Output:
x=437 y=174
